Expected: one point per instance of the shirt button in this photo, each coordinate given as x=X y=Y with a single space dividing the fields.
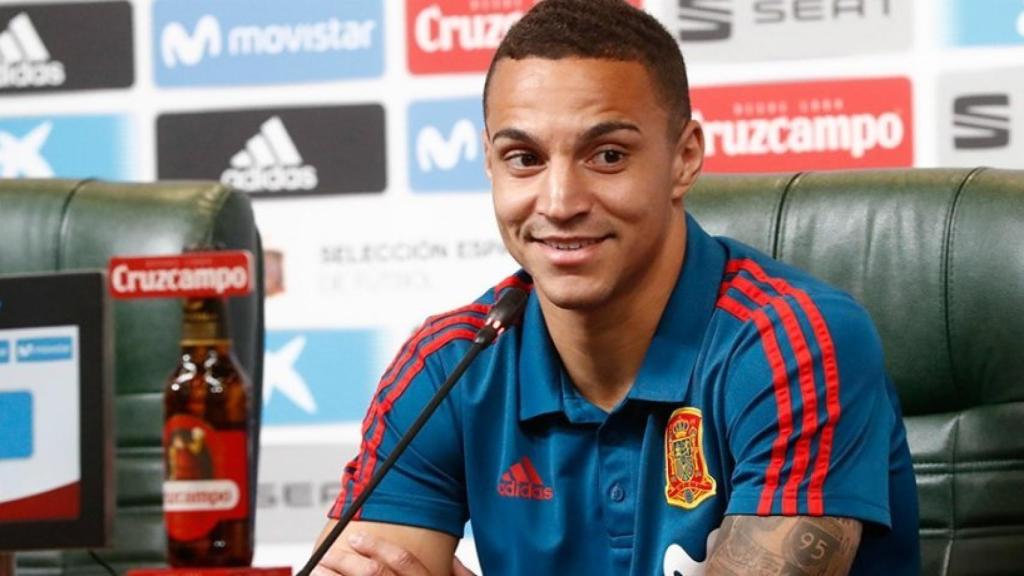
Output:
x=617 y=494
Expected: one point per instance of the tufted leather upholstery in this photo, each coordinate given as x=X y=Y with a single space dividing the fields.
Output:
x=48 y=225
x=937 y=258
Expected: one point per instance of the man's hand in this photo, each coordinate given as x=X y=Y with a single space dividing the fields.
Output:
x=785 y=545
x=377 y=549
x=372 y=556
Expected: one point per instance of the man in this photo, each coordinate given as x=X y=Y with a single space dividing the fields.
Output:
x=670 y=403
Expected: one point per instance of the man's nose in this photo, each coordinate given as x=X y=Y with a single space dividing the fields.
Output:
x=564 y=195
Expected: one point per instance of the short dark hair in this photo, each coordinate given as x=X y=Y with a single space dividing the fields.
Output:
x=601 y=29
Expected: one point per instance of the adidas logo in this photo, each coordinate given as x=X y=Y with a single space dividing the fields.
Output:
x=24 y=60
x=522 y=481
x=270 y=162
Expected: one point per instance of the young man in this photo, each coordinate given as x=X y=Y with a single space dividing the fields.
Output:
x=670 y=403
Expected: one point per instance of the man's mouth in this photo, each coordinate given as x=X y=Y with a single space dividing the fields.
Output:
x=569 y=244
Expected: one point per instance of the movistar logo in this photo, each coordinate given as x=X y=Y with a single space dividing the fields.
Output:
x=435 y=151
x=207 y=39
x=270 y=162
x=24 y=60
x=177 y=46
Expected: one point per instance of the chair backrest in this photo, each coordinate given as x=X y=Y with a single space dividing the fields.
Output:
x=50 y=225
x=937 y=258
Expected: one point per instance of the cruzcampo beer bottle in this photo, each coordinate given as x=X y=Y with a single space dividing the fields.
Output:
x=206 y=439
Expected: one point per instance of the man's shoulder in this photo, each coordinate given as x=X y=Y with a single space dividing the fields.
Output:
x=469 y=316
x=757 y=281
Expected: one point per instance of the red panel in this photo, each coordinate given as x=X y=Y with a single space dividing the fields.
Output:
x=822 y=125
x=59 y=503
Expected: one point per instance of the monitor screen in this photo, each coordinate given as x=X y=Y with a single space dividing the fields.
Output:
x=56 y=439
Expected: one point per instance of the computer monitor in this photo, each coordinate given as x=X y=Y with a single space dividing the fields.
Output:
x=56 y=431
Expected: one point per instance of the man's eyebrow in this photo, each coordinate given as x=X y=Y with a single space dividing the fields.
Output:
x=513 y=134
x=598 y=130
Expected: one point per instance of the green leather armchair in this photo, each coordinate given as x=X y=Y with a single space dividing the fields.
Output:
x=937 y=258
x=50 y=225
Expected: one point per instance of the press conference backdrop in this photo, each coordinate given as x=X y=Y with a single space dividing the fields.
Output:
x=355 y=125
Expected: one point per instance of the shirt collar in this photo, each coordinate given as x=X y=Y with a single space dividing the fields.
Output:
x=665 y=373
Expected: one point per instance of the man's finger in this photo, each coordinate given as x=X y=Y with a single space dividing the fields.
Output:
x=398 y=559
x=350 y=564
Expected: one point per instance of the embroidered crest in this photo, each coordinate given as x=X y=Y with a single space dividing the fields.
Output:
x=687 y=479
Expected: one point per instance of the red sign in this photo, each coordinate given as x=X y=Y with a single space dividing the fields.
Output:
x=193 y=275
x=446 y=36
x=840 y=124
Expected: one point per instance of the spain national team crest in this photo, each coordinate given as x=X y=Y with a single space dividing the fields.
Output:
x=687 y=479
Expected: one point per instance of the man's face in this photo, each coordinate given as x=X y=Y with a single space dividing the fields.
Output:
x=587 y=182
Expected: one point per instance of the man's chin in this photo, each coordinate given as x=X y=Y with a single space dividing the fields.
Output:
x=572 y=293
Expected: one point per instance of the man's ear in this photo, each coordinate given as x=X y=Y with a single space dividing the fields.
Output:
x=688 y=158
x=487 y=154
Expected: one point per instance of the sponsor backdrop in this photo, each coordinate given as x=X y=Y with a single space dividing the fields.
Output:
x=355 y=126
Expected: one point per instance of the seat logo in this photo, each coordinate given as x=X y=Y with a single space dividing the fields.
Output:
x=981 y=121
x=270 y=162
x=704 y=20
x=23 y=156
x=25 y=61
x=434 y=151
x=177 y=46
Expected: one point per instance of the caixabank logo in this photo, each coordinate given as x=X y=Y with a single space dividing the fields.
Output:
x=38 y=54
x=984 y=23
x=228 y=42
x=49 y=147
x=981 y=118
x=445 y=149
x=319 y=376
x=278 y=151
x=451 y=36
x=742 y=30
x=827 y=125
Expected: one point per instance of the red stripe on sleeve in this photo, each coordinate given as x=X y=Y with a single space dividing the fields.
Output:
x=830 y=368
x=783 y=403
x=432 y=326
x=732 y=306
x=808 y=391
x=371 y=446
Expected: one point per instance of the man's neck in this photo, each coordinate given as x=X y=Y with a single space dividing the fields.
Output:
x=602 y=349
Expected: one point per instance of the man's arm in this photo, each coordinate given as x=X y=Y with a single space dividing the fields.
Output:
x=795 y=545
x=387 y=549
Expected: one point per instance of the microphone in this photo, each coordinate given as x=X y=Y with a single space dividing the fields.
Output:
x=505 y=312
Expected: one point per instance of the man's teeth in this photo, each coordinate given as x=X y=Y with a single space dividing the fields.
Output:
x=575 y=245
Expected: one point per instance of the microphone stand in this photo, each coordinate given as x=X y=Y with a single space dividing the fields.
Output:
x=505 y=311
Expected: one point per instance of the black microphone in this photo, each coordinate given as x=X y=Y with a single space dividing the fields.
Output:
x=505 y=312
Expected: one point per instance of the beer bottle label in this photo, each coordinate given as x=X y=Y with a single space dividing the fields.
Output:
x=207 y=477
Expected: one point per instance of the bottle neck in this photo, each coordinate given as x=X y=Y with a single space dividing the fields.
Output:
x=204 y=323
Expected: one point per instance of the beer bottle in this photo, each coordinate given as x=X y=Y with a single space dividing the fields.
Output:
x=206 y=441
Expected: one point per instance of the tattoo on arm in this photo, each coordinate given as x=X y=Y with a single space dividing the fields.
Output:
x=789 y=546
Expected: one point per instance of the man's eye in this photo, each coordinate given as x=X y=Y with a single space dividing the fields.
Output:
x=609 y=157
x=523 y=160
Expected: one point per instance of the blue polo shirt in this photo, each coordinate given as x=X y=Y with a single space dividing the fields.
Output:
x=763 y=392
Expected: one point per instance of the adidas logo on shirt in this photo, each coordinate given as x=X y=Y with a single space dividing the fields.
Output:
x=522 y=481
x=24 y=60
x=270 y=162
